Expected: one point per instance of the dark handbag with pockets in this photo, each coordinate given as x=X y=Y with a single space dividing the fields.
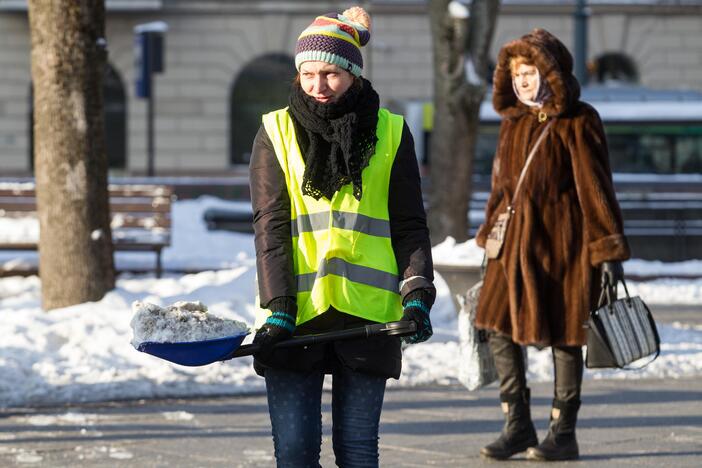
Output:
x=620 y=331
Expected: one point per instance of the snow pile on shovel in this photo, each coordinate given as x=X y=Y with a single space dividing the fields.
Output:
x=182 y=321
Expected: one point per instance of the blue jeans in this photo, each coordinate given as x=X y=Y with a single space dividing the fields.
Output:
x=294 y=404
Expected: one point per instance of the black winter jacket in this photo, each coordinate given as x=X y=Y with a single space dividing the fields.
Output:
x=410 y=241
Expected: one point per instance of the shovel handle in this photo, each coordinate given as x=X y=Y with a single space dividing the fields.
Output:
x=400 y=328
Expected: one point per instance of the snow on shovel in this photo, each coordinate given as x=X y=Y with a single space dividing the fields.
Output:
x=158 y=331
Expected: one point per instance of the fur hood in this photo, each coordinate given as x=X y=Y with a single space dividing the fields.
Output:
x=555 y=65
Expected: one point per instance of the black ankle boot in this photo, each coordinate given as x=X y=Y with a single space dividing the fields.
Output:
x=518 y=433
x=560 y=442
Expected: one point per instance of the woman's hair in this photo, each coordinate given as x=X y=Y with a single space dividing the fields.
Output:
x=518 y=60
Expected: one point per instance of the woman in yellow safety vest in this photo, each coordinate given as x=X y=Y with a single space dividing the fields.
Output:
x=341 y=242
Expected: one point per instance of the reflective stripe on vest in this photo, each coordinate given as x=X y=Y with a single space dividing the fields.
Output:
x=342 y=250
x=356 y=273
x=341 y=220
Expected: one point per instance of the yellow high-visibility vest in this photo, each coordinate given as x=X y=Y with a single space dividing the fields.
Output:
x=342 y=251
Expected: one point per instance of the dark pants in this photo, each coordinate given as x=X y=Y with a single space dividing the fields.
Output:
x=509 y=361
x=294 y=404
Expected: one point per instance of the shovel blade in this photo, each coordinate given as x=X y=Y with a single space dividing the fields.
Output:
x=193 y=353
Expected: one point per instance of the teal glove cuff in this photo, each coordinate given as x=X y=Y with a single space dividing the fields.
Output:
x=418 y=304
x=282 y=320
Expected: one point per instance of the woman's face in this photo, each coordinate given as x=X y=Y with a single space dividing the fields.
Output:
x=323 y=81
x=526 y=80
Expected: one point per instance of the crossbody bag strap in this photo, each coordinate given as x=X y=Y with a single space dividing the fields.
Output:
x=528 y=161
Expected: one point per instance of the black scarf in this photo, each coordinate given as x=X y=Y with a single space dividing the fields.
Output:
x=337 y=140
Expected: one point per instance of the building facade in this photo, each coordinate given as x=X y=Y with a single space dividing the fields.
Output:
x=227 y=62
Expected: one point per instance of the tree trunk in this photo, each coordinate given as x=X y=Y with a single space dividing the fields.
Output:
x=68 y=62
x=460 y=66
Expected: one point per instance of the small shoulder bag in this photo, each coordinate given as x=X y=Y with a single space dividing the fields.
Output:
x=496 y=236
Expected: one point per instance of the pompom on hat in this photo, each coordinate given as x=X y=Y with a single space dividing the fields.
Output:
x=335 y=39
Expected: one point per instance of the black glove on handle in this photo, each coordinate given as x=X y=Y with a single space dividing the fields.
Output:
x=279 y=326
x=612 y=273
x=416 y=307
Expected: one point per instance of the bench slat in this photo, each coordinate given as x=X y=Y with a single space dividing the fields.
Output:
x=148 y=201
x=140 y=221
x=122 y=220
x=5 y=192
x=114 y=208
x=122 y=245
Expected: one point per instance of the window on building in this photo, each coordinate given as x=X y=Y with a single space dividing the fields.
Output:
x=115 y=112
x=612 y=68
x=490 y=70
x=115 y=119
x=664 y=148
x=262 y=86
x=689 y=154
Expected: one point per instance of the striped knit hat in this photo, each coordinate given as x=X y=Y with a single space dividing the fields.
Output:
x=335 y=39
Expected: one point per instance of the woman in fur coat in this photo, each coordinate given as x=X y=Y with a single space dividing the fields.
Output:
x=563 y=241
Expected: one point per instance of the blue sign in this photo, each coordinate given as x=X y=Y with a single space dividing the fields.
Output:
x=141 y=65
x=148 y=55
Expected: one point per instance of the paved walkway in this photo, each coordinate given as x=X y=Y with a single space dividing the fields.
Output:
x=622 y=423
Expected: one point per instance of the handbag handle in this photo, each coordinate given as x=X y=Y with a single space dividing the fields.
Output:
x=528 y=161
x=605 y=294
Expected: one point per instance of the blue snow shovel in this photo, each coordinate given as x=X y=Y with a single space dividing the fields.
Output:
x=201 y=353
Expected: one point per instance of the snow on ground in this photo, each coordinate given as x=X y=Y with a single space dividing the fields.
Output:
x=449 y=252
x=83 y=353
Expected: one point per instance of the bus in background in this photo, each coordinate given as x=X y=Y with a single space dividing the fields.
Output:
x=655 y=149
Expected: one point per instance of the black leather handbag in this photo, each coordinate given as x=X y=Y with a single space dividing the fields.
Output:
x=620 y=331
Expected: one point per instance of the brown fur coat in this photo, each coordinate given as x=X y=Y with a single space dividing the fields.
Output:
x=566 y=221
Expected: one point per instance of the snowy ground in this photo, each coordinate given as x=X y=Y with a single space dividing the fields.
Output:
x=83 y=353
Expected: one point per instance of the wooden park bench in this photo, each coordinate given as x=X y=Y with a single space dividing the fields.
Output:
x=140 y=217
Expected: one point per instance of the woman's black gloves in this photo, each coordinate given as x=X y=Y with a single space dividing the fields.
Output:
x=612 y=274
x=416 y=307
x=279 y=326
